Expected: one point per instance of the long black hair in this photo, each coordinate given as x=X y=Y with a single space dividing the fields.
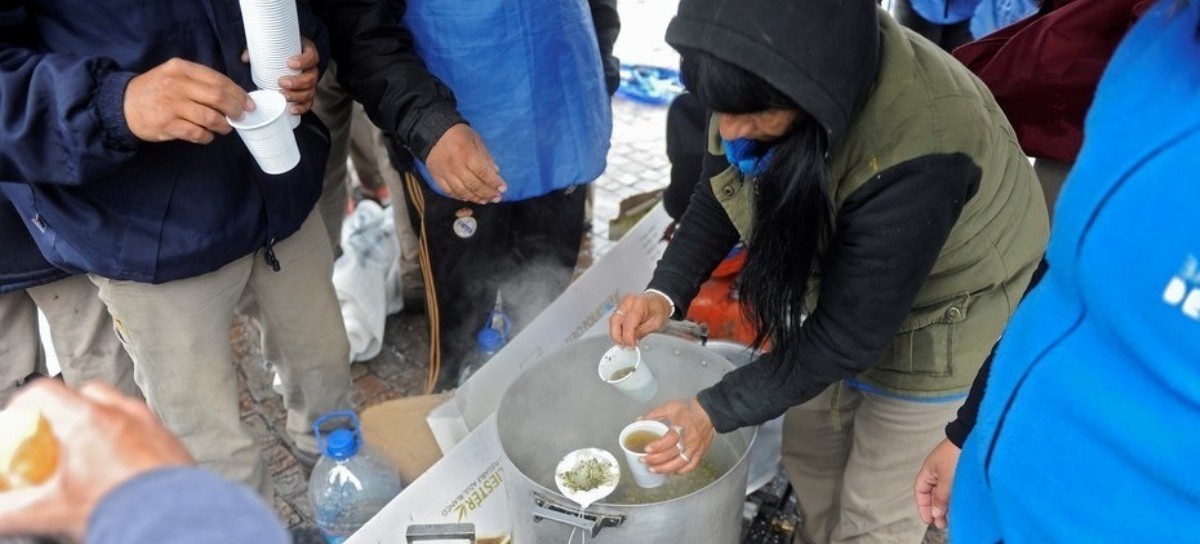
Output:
x=794 y=211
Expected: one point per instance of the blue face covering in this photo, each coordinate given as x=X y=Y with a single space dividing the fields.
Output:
x=750 y=157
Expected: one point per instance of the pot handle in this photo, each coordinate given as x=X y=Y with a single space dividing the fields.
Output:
x=591 y=523
x=687 y=330
x=441 y=531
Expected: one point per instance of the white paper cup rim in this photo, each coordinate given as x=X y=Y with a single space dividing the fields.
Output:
x=613 y=354
x=646 y=424
x=268 y=106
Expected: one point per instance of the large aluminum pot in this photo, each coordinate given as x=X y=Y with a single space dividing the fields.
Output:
x=560 y=405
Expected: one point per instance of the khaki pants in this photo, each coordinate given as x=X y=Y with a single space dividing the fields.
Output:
x=352 y=133
x=80 y=329
x=178 y=335
x=852 y=458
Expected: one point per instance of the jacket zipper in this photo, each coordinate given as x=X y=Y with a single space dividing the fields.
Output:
x=269 y=255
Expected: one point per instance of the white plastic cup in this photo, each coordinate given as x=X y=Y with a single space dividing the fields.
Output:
x=641 y=473
x=639 y=384
x=266 y=133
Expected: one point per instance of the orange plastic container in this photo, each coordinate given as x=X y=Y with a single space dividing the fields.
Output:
x=717 y=304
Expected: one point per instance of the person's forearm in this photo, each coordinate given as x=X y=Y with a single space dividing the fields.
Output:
x=888 y=237
x=62 y=117
x=704 y=237
x=378 y=65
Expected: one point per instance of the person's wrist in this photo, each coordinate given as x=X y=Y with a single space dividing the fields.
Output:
x=435 y=122
x=699 y=412
x=110 y=104
x=663 y=296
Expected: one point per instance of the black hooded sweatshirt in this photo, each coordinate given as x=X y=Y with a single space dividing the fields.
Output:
x=823 y=54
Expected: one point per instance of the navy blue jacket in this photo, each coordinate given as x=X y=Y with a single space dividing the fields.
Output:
x=21 y=264
x=98 y=200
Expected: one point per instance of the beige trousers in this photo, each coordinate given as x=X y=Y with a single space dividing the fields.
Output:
x=178 y=335
x=352 y=134
x=852 y=458
x=80 y=330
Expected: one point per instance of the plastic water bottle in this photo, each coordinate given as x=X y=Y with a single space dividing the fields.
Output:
x=488 y=340
x=351 y=482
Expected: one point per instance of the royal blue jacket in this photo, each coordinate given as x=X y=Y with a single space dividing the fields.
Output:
x=530 y=79
x=1088 y=428
x=945 y=12
x=98 y=200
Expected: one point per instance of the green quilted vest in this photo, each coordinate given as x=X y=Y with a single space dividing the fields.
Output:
x=925 y=103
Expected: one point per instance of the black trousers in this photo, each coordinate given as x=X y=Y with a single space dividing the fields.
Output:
x=526 y=250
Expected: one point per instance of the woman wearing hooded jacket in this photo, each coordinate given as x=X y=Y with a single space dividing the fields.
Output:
x=892 y=223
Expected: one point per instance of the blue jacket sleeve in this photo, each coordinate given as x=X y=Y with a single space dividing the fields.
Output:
x=62 y=118
x=183 y=506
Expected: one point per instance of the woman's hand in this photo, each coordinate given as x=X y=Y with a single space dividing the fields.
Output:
x=690 y=427
x=932 y=489
x=637 y=316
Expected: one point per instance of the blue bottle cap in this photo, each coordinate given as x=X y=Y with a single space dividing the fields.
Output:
x=489 y=340
x=342 y=444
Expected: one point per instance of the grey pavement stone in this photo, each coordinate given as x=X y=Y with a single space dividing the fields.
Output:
x=291 y=482
x=287 y=514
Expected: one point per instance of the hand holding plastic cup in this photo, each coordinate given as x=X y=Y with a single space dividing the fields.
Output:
x=634 y=438
x=623 y=368
x=267 y=134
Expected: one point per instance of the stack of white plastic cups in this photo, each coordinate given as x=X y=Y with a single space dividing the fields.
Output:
x=272 y=37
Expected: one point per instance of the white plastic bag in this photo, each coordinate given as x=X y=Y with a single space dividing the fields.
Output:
x=367 y=277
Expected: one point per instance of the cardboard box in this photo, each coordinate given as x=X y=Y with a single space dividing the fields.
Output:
x=398 y=429
x=465 y=486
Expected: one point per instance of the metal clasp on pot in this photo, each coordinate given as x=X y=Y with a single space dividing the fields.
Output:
x=591 y=523
x=441 y=531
